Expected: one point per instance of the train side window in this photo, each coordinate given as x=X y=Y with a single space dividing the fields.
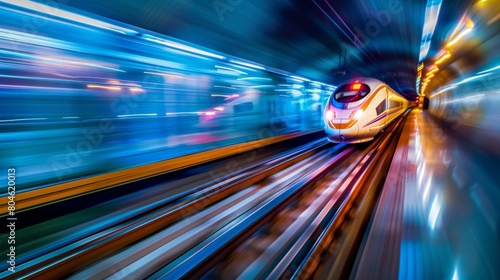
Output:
x=381 y=107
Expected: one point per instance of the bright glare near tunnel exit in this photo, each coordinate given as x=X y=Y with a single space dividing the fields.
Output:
x=236 y=139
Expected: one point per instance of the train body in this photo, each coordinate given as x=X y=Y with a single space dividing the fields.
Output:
x=359 y=109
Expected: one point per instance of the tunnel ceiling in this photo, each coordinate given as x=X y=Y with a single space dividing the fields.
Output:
x=329 y=41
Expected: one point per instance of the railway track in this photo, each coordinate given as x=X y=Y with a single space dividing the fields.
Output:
x=323 y=223
x=273 y=237
x=212 y=225
x=75 y=251
x=298 y=215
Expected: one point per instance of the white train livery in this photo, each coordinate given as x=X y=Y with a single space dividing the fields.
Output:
x=359 y=109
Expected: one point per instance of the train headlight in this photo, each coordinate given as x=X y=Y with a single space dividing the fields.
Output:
x=329 y=115
x=358 y=114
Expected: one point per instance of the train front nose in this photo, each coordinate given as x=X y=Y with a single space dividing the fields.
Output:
x=349 y=129
x=342 y=130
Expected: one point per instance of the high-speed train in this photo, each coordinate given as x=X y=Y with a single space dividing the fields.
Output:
x=360 y=108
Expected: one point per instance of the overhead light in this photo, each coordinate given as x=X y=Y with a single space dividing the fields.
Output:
x=443 y=90
x=463 y=33
x=433 y=70
x=55 y=12
x=489 y=70
x=104 y=87
x=300 y=78
x=247 y=64
x=443 y=58
x=431 y=17
x=466 y=80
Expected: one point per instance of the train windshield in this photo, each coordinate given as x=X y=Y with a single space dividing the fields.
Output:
x=351 y=92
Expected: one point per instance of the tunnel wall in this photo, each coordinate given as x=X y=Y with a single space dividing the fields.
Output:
x=467 y=93
x=471 y=108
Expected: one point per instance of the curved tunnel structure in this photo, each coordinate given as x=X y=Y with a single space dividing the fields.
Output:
x=464 y=91
x=169 y=139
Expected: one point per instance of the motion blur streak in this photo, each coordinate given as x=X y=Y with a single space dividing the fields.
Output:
x=54 y=12
x=465 y=92
x=82 y=95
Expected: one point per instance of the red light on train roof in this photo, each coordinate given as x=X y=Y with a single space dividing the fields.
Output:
x=356 y=86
